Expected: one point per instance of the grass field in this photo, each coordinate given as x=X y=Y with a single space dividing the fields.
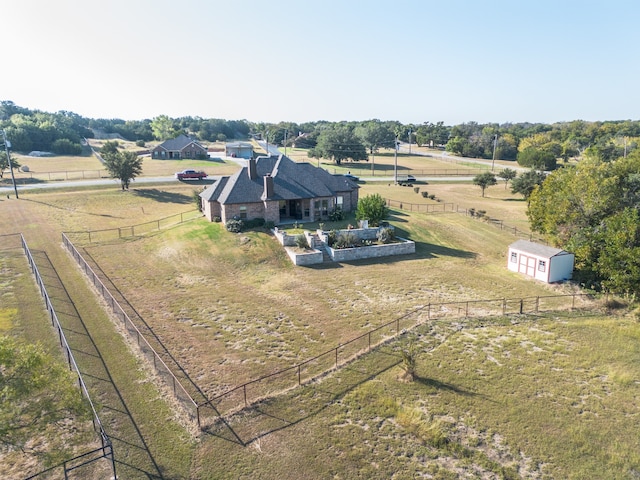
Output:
x=552 y=396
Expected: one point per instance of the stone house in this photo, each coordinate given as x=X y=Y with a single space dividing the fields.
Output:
x=278 y=189
x=179 y=148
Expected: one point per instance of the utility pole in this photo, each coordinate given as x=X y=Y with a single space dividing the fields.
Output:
x=395 y=161
x=495 y=142
x=6 y=149
x=285 y=141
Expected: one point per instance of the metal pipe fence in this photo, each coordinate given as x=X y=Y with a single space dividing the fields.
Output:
x=91 y=236
x=209 y=410
x=175 y=385
x=106 y=449
x=241 y=396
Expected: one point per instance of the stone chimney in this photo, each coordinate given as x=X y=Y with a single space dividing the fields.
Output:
x=268 y=186
x=251 y=168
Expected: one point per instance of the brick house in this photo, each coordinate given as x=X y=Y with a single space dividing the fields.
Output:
x=278 y=189
x=179 y=148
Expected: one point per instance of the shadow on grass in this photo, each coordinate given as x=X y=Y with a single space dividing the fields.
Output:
x=75 y=211
x=310 y=399
x=438 y=385
x=163 y=196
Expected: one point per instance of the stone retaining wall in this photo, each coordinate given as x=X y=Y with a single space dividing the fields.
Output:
x=405 y=247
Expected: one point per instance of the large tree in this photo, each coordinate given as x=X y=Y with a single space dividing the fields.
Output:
x=339 y=144
x=484 y=180
x=4 y=162
x=164 y=128
x=375 y=135
x=540 y=159
x=526 y=183
x=37 y=396
x=507 y=174
x=123 y=165
x=592 y=210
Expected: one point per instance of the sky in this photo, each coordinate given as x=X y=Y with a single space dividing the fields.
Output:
x=412 y=61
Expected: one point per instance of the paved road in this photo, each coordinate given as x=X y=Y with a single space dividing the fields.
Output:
x=8 y=188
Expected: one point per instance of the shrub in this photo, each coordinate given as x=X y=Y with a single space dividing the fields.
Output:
x=217 y=219
x=372 y=208
x=336 y=215
x=425 y=194
x=254 y=223
x=332 y=237
x=140 y=143
x=64 y=146
x=346 y=240
x=481 y=213
x=386 y=235
x=197 y=200
x=269 y=225
x=234 y=226
x=472 y=212
x=301 y=241
x=432 y=196
x=416 y=189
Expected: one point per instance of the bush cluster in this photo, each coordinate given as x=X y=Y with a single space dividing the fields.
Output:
x=386 y=235
x=234 y=226
x=336 y=215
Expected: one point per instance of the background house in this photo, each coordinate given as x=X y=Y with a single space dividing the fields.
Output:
x=278 y=189
x=239 y=150
x=179 y=148
x=541 y=262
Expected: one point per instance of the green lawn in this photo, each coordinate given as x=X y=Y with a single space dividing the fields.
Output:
x=551 y=396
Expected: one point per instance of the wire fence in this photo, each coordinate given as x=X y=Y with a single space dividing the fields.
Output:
x=91 y=236
x=105 y=451
x=251 y=392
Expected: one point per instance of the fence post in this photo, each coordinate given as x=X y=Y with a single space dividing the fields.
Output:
x=337 y=355
x=244 y=390
x=573 y=301
x=466 y=310
x=537 y=303
x=521 y=305
x=504 y=306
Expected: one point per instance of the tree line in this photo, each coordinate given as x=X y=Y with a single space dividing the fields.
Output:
x=534 y=145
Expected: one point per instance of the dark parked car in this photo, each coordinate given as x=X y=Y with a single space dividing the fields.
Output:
x=351 y=177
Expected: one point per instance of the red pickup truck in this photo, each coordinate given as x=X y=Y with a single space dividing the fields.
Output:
x=190 y=174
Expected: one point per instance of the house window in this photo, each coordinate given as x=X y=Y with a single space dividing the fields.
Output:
x=188 y=154
x=305 y=206
x=325 y=207
x=514 y=257
x=339 y=201
x=316 y=209
x=542 y=265
x=283 y=208
x=243 y=213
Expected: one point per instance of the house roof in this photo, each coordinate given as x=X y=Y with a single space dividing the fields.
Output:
x=178 y=143
x=537 y=249
x=239 y=145
x=291 y=181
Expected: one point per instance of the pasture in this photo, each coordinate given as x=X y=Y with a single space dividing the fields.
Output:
x=551 y=396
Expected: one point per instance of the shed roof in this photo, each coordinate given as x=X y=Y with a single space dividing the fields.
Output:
x=537 y=249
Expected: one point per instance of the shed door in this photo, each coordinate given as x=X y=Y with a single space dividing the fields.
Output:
x=527 y=265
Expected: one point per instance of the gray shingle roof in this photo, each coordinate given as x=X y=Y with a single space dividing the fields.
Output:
x=291 y=181
x=537 y=248
x=178 y=143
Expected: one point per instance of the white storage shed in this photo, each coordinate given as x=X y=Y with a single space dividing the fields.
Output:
x=541 y=262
